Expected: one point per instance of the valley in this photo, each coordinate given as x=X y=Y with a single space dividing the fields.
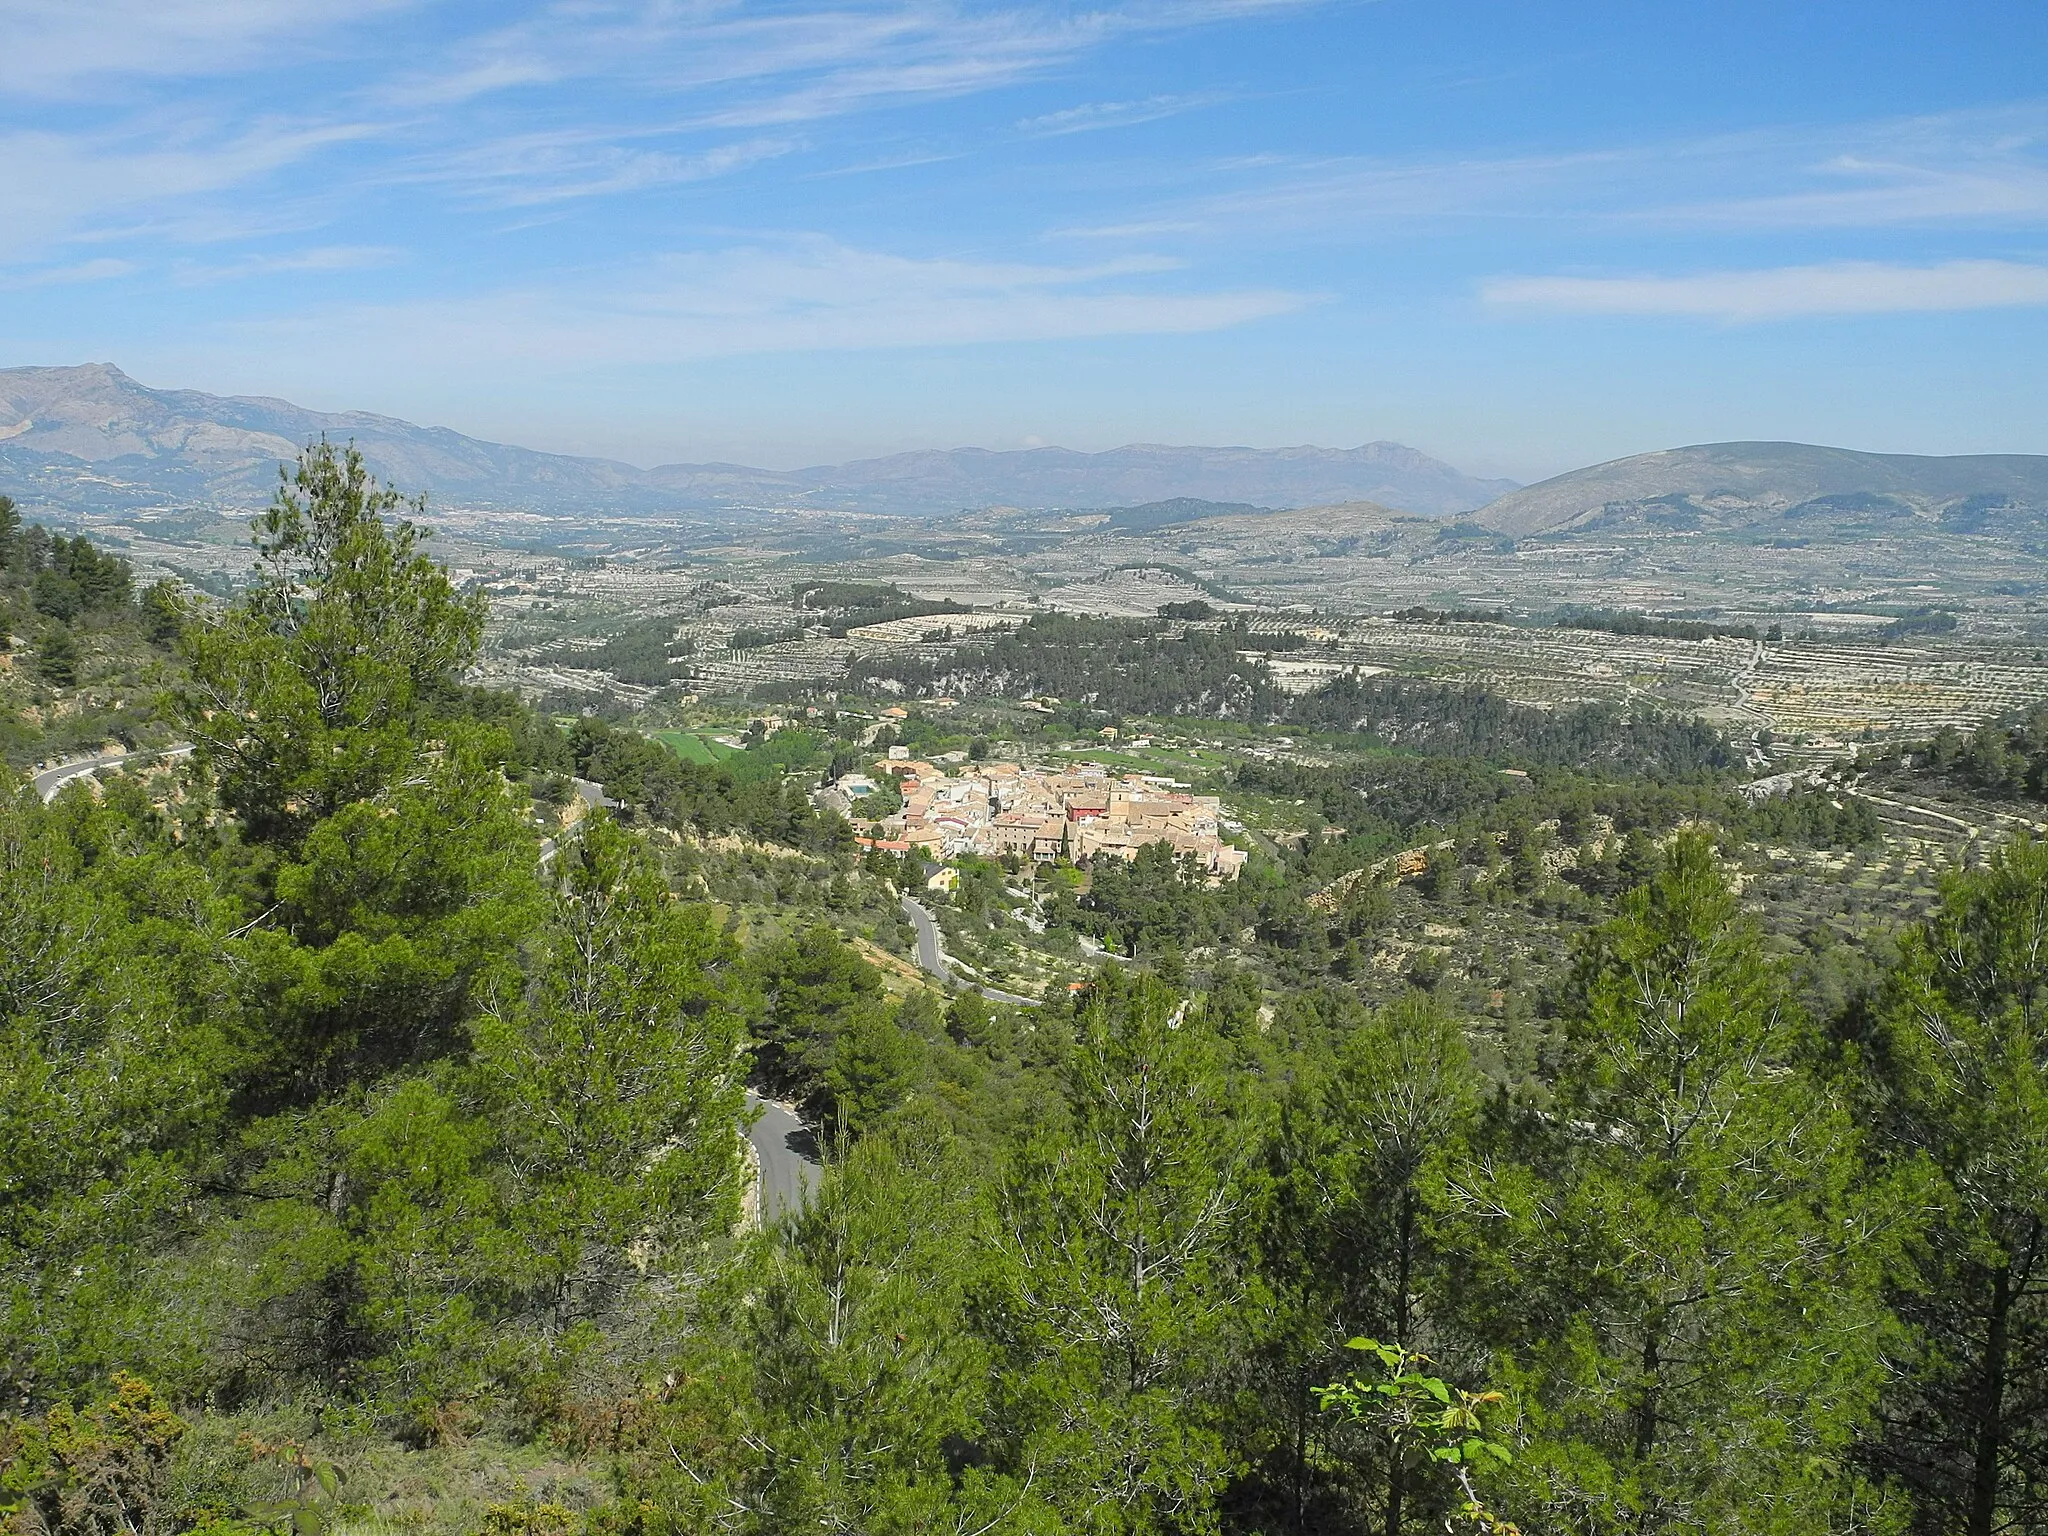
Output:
x=855 y=833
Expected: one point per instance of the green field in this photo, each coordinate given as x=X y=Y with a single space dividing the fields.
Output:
x=690 y=747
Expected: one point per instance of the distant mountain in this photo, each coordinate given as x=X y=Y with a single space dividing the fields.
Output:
x=1149 y=474
x=93 y=433
x=91 y=438
x=1779 y=488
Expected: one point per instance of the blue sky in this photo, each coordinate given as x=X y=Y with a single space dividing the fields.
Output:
x=1522 y=236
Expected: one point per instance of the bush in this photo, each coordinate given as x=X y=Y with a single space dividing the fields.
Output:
x=98 y=1471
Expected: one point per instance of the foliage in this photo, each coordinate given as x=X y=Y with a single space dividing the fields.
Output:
x=851 y=1385
x=57 y=655
x=1114 y=667
x=108 y=1056
x=1420 y=1412
x=390 y=917
x=644 y=652
x=1116 y=1295
x=2002 y=759
x=850 y=604
x=1963 y=1052
x=1365 y=1136
x=1457 y=721
x=304 y=695
x=1610 y=622
x=612 y=1083
x=97 y=1471
x=1687 y=1255
x=748 y=795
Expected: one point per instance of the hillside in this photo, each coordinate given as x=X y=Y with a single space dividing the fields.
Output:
x=1781 y=487
x=379 y=1111
x=92 y=439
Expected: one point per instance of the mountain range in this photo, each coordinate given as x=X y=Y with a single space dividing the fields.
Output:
x=90 y=438
x=1776 y=489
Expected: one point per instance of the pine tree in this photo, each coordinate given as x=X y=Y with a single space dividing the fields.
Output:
x=1362 y=1141
x=109 y=1085
x=1963 y=1051
x=615 y=1083
x=846 y=1391
x=303 y=691
x=1115 y=1288
x=1682 y=1268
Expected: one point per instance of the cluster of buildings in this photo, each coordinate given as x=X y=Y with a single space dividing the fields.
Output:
x=1040 y=816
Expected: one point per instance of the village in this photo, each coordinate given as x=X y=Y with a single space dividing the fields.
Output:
x=1031 y=815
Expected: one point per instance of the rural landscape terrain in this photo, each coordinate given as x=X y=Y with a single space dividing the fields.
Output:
x=1170 y=990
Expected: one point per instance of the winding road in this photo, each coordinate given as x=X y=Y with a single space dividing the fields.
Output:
x=931 y=957
x=50 y=780
x=788 y=1154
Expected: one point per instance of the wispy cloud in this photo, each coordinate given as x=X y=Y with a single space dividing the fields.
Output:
x=56 y=48
x=1870 y=193
x=528 y=170
x=320 y=258
x=1295 y=196
x=758 y=68
x=807 y=294
x=1782 y=293
x=1985 y=166
x=96 y=271
x=1112 y=114
x=57 y=187
x=1968 y=169
x=467 y=102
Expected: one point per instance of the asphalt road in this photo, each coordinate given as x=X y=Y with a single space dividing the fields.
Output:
x=592 y=794
x=931 y=957
x=50 y=780
x=789 y=1158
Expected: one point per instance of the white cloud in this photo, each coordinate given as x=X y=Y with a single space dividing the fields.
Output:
x=808 y=294
x=754 y=68
x=1111 y=114
x=57 y=187
x=319 y=258
x=527 y=170
x=1983 y=168
x=58 y=47
x=1878 y=194
x=826 y=58
x=1779 y=293
x=1351 y=194
x=98 y=270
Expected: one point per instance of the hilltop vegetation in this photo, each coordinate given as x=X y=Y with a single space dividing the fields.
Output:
x=79 y=647
x=371 y=1149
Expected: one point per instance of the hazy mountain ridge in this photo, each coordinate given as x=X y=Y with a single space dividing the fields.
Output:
x=91 y=438
x=98 y=430
x=1146 y=474
x=1768 y=488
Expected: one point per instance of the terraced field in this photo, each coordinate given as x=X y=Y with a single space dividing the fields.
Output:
x=1835 y=694
x=1818 y=698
